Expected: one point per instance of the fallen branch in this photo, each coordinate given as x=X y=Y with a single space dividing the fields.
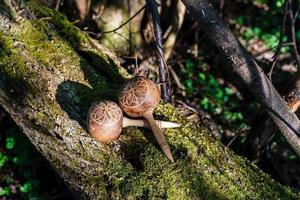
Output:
x=247 y=69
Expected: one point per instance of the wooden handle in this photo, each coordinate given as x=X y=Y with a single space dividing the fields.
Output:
x=134 y=122
x=144 y=123
x=159 y=136
x=165 y=124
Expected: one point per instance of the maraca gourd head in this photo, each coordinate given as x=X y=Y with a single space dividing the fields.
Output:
x=105 y=120
x=138 y=96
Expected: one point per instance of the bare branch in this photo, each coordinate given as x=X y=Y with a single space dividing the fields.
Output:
x=293 y=35
x=127 y=21
x=247 y=69
x=162 y=69
x=296 y=14
x=282 y=31
x=271 y=49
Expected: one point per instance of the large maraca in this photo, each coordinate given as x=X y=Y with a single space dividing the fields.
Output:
x=139 y=97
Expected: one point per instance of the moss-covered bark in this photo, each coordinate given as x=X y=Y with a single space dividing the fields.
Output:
x=50 y=72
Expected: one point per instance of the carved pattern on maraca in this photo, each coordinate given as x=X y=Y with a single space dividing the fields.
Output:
x=105 y=112
x=134 y=93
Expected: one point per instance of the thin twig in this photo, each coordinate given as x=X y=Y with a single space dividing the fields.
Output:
x=282 y=31
x=271 y=49
x=162 y=69
x=293 y=35
x=117 y=33
x=176 y=78
x=57 y=5
x=131 y=18
x=296 y=14
x=239 y=132
x=186 y=33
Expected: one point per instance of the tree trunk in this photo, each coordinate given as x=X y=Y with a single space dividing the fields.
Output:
x=50 y=73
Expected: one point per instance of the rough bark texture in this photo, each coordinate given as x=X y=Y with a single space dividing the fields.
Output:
x=50 y=72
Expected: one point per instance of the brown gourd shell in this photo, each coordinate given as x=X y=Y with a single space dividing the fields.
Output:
x=105 y=120
x=139 y=95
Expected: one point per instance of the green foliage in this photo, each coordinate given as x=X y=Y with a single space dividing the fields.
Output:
x=298 y=35
x=277 y=3
x=5 y=191
x=19 y=162
x=270 y=39
x=10 y=143
x=26 y=187
x=3 y=159
x=216 y=98
x=292 y=157
x=265 y=26
x=261 y=1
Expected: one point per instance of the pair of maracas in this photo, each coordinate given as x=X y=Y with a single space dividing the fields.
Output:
x=138 y=98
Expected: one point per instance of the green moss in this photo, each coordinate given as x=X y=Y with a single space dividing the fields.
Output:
x=198 y=173
x=53 y=55
x=134 y=166
x=47 y=47
x=98 y=54
x=11 y=62
x=13 y=69
x=74 y=35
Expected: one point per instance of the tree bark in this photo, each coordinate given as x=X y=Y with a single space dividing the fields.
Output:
x=51 y=72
